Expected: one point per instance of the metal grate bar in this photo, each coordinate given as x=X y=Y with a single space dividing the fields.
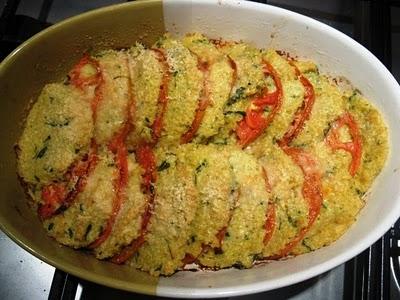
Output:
x=313 y=13
x=9 y=10
x=63 y=286
x=367 y=275
x=395 y=3
x=395 y=250
x=45 y=9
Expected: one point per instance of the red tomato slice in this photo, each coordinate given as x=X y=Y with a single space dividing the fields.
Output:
x=145 y=157
x=131 y=249
x=245 y=134
x=53 y=195
x=120 y=183
x=270 y=217
x=255 y=119
x=56 y=196
x=234 y=73
x=354 y=147
x=312 y=192
x=303 y=113
x=80 y=80
x=270 y=223
x=254 y=123
x=204 y=102
x=158 y=122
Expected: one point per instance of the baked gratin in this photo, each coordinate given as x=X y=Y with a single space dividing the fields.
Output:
x=198 y=151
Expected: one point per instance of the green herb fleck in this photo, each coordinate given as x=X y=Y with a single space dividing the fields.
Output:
x=42 y=151
x=164 y=165
x=70 y=233
x=50 y=227
x=158 y=268
x=238 y=265
x=326 y=130
x=276 y=199
x=201 y=166
x=160 y=41
x=353 y=97
x=257 y=256
x=360 y=192
x=292 y=221
x=201 y=41
x=267 y=109
x=88 y=229
x=230 y=112
x=220 y=141
x=236 y=97
x=304 y=243
x=63 y=123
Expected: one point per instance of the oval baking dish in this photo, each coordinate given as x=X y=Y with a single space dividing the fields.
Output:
x=50 y=54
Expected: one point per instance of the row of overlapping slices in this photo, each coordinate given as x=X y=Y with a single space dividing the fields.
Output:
x=209 y=186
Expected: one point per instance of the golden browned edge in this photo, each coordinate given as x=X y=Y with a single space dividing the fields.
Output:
x=45 y=58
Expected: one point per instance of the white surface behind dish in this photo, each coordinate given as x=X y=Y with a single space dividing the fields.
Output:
x=336 y=54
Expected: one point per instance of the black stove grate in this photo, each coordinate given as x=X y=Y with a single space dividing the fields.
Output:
x=15 y=29
x=367 y=275
x=395 y=251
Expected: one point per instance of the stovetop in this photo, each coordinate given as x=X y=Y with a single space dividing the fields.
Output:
x=374 y=274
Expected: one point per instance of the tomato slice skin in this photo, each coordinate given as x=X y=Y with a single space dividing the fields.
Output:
x=311 y=190
x=312 y=186
x=53 y=195
x=76 y=75
x=204 y=102
x=146 y=158
x=158 y=122
x=56 y=196
x=270 y=223
x=234 y=73
x=255 y=123
x=354 y=147
x=270 y=216
x=118 y=147
x=304 y=112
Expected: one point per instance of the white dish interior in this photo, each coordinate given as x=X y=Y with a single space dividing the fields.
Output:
x=335 y=54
